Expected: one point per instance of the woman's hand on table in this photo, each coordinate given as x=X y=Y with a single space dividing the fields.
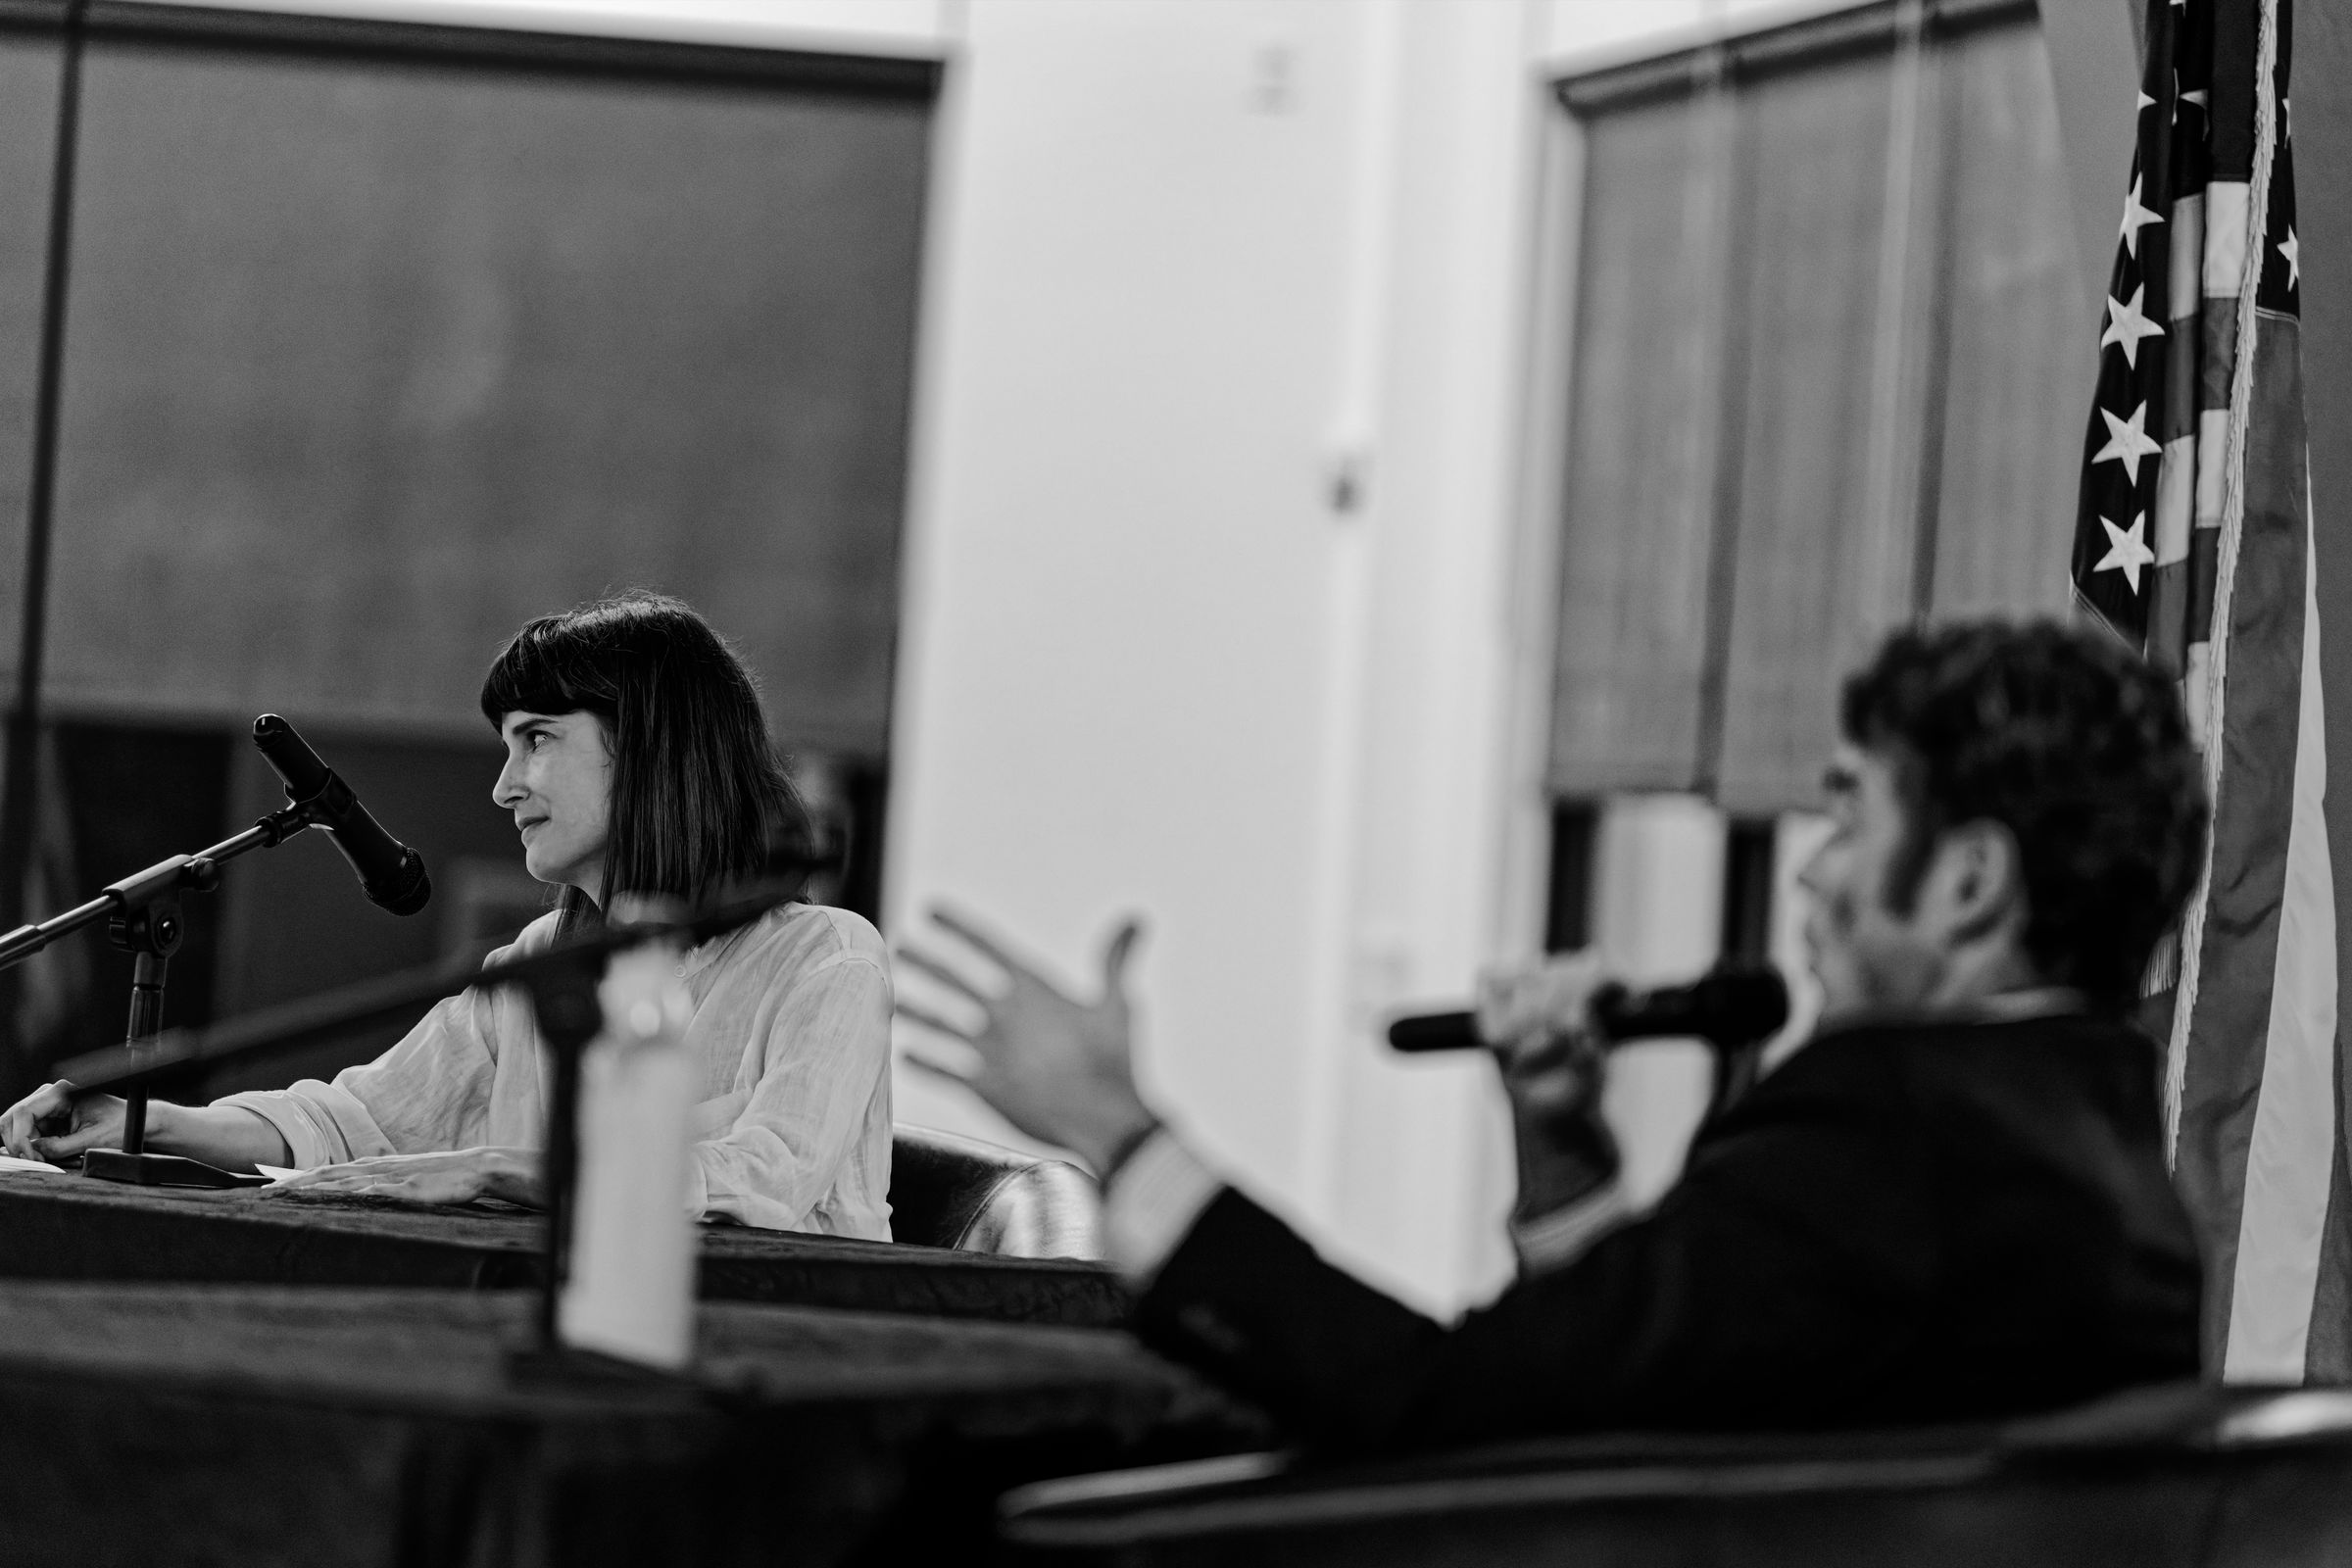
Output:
x=443 y=1177
x=50 y=1124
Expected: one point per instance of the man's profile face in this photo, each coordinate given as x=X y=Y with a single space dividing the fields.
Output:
x=1868 y=957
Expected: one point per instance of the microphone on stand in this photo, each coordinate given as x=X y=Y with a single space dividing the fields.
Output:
x=390 y=874
x=1736 y=1004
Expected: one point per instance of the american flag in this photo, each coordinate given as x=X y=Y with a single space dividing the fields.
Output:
x=2194 y=542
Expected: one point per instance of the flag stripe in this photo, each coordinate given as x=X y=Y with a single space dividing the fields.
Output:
x=2195 y=684
x=2175 y=500
x=2187 y=255
x=2328 y=1356
x=2204 y=572
x=2233 y=144
x=2184 y=354
x=2168 y=616
x=2213 y=470
x=2180 y=592
x=2290 y=1163
x=2217 y=360
x=2225 y=267
x=2232 y=953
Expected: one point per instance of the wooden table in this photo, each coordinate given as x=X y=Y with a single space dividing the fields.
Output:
x=68 y=1227
x=163 y=1425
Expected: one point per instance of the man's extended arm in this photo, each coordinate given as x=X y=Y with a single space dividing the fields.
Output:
x=1152 y=1198
x=1781 y=1278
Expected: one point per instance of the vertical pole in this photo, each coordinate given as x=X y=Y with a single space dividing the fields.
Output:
x=25 y=714
x=1938 y=374
x=570 y=1014
x=562 y=1169
x=146 y=1023
x=1724 y=222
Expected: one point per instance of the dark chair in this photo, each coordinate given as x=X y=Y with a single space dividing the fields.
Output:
x=2183 y=1476
x=947 y=1191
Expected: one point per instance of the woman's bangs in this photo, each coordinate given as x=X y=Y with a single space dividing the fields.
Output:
x=540 y=672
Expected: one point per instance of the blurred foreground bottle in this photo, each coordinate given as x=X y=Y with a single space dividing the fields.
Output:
x=629 y=1291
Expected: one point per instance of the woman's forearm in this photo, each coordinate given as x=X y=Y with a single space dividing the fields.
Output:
x=512 y=1174
x=228 y=1136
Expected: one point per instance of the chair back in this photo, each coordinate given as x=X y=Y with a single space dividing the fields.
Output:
x=2178 y=1476
x=975 y=1196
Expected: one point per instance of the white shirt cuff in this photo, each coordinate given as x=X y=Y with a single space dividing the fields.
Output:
x=297 y=1121
x=1562 y=1236
x=1151 y=1204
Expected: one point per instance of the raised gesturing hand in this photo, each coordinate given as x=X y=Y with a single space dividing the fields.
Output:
x=1059 y=1068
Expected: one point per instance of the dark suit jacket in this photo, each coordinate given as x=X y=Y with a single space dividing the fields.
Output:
x=1927 y=1223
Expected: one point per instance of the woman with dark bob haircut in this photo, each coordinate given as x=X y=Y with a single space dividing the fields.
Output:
x=637 y=764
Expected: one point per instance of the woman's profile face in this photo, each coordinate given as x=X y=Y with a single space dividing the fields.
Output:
x=558 y=782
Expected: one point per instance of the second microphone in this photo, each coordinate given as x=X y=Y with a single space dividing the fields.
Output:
x=1729 y=1006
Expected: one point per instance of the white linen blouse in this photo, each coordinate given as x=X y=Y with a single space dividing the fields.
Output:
x=791 y=1043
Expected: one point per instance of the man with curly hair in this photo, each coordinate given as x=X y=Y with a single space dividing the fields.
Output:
x=1950 y=1205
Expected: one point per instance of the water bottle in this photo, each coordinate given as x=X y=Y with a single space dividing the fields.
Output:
x=629 y=1291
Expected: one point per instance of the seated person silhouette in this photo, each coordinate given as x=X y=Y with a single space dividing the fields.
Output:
x=1950 y=1205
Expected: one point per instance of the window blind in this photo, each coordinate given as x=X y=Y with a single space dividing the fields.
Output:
x=376 y=354
x=1846 y=398
x=1810 y=571
x=1643 y=418
x=2019 y=354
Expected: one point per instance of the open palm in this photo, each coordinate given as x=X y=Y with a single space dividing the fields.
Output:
x=1058 y=1068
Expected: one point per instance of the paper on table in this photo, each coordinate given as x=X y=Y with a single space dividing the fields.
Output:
x=11 y=1162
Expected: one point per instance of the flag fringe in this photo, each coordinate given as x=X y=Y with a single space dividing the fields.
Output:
x=2233 y=528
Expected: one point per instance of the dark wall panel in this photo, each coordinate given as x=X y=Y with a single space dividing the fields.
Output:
x=124 y=799
x=373 y=359
x=294 y=922
x=294 y=918
x=29 y=83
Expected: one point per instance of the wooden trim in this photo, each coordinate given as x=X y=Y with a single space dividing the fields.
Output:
x=418 y=43
x=32 y=16
x=1796 y=45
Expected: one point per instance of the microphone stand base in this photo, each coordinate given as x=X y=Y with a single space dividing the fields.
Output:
x=161 y=1170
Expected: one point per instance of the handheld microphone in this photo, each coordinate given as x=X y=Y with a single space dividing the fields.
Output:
x=391 y=874
x=1733 y=1006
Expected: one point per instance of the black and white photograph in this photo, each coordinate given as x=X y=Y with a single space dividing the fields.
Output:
x=1164 y=783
